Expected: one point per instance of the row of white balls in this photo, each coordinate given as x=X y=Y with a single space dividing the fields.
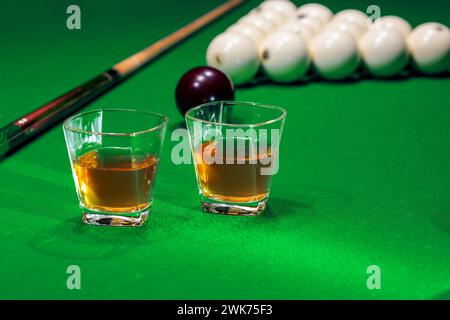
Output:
x=285 y=40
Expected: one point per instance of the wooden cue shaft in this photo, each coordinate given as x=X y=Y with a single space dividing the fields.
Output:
x=32 y=124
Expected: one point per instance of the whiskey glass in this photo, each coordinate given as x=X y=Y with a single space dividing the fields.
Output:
x=114 y=156
x=235 y=149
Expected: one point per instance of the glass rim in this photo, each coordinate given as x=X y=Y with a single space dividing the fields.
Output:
x=254 y=104
x=70 y=128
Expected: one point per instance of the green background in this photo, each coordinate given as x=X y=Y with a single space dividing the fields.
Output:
x=364 y=172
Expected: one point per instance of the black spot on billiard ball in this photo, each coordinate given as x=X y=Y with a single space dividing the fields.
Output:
x=265 y=54
x=218 y=60
x=200 y=85
x=301 y=16
x=439 y=28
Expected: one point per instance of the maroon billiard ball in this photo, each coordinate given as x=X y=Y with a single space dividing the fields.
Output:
x=201 y=85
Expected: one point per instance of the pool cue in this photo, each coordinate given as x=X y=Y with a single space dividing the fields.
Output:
x=34 y=123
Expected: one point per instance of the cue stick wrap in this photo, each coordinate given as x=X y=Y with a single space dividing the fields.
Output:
x=36 y=121
x=30 y=125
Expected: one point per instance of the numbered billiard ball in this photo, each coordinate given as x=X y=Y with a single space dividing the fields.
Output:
x=335 y=54
x=316 y=11
x=353 y=16
x=234 y=54
x=384 y=52
x=393 y=22
x=429 y=45
x=284 y=56
x=201 y=85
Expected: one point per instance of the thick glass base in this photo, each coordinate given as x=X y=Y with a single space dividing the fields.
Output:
x=134 y=219
x=233 y=208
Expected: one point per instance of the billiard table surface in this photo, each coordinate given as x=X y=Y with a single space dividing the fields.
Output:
x=364 y=173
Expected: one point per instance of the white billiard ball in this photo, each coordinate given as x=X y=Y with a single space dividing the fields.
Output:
x=348 y=27
x=353 y=16
x=284 y=7
x=257 y=35
x=429 y=45
x=301 y=29
x=284 y=56
x=234 y=54
x=312 y=23
x=277 y=18
x=384 y=52
x=259 y=22
x=393 y=22
x=335 y=54
x=316 y=11
x=254 y=11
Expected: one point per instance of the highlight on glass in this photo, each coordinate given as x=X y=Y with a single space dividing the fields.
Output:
x=114 y=155
x=235 y=147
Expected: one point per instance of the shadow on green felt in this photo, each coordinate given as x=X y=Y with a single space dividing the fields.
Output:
x=310 y=78
x=281 y=214
x=442 y=296
x=65 y=236
x=38 y=197
x=278 y=208
x=68 y=237
x=75 y=240
x=441 y=219
x=361 y=75
x=312 y=203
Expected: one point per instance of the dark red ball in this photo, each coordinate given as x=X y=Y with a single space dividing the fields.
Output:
x=201 y=85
